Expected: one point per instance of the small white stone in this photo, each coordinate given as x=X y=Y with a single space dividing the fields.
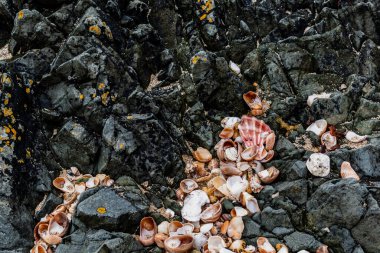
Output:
x=318 y=164
x=234 y=67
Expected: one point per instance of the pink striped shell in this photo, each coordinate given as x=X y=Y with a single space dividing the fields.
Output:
x=253 y=131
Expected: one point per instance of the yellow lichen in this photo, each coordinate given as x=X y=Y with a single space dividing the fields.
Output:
x=7 y=112
x=121 y=146
x=21 y=161
x=101 y=210
x=6 y=101
x=20 y=15
x=27 y=90
x=105 y=98
x=287 y=126
x=129 y=117
x=81 y=96
x=28 y=153
x=101 y=86
x=30 y=82
x=203 y=17
x=95 y=29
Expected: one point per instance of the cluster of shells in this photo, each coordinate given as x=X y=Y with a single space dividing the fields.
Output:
x=48 y=233
x=236 y=174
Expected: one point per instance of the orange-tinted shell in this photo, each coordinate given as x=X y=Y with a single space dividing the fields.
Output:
x=227 y=133
x=159 y=239
x=58 y=225
x=179 y=243
x=253 y=131
x=202 y=155
x=264 y=245
x=212 y=213
x=269 y=175
x=346 y=171
x=148 y=229
x=188 y=185
x=63 y=184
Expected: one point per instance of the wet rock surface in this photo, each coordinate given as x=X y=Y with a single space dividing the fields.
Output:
x=126 y=87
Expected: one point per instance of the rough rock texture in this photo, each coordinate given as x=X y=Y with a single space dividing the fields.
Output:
x=126 y=87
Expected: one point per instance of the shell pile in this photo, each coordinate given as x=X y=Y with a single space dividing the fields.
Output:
x=49 y=231
x=236 y=174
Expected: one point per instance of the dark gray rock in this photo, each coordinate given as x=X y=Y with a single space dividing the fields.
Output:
x=296 y=191
x=48 y=206
x=251 y=228
x=293 y=170
x=366 y=161
x=272 y=218
x=337 y=202
x=122 y=214
x=367 y=109
x=339 y=239
x=301 y=241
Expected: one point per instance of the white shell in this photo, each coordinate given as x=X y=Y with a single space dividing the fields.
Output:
x=216 y=243
x=318 y=164
x=313 y=97
x=250 y=203
x=169 y=213
x=250 y=249
x=353 y=137
x=231 y=154
x=205 y=228
x=187 y=229
x=224 y=250
x=234 y=67
x=303 y=251
x=163 y=227
x=230 y=121
x=236 y=227
x=240 y=211
x=192 y=205
x=199 y=240
x=318 y=127
x=236 y=185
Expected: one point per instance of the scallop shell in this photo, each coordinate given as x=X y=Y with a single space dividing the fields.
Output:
x=192 y=206
x=264 y=245
x=159 y=239
x=312 y=98
x=216 y=243
x=63 y=184
x=179 y=243
x=202 y=155
x=318 y=127
x=239 y=211
x=188 y=185
x=236 y=185
x=281 y=248
x=236 y=228
x=250 y=203
x=329 y=140
x=253 y=131
x=346 y=171
x=212 y=213
x=269 y=175
x=318 y=164
x=353 y=137
x=148 y=229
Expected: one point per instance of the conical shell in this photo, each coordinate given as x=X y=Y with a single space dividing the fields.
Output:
x=202 y=155
x=63 y=184
x=264 y=245
x=346 y=171
x=179 y=243
x=216 y=243
x=250 y=203
x=58 y=225
x=188 y=185
x=318 y=164
x=236 y=228
x=253 y=131
x=148 y=229
x=318 y=127
x=269 y=175
x=212 y=213
x=329 y=140
x=353 y=137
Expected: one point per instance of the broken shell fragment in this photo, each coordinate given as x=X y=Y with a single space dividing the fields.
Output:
x=202 y=155
x=250 y=202
x=254 y=102
x=192 y=207
x=346 y=171
x=318 y=164
x=281 y=248
x=188 y=185
x=148 y=229
x=174 y=226
x=353 y=137
x=270 y=141
x=264 y=245
x=186 y=229
x=249 y=153
x=329 y=140
x=199 y=240
x=63 y=184
x=230 y=122
x=238 y=246
x=38 y=248
x=318 y=127
x=269 y=175
x=236 y=185
x=236 y=227
x=92 y=182
x=58 y=225
x=322 y=249
x=229 y=169
x=159 y=239
x=312 y=98
x=216 y=243
x=179 y=243
x=212 y=213
x=163 y=227
x=239 y=211
x=231 y=154
x=227 y=133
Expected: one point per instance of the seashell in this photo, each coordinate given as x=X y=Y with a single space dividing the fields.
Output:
x=227 y=133
x=199 y=240
x=169 y=213
x=108 y=181
x=212 y=213
x=322 y=249
x=40 y=230
x=200 y=169
x=222 y=146
x=249 y=153
x=81 y=187
x=313 y=97
x=229 y=169
x=346 y=171
x=234 y=67
x=214 y=230
x=253 y=131
x=231 y=154
x=318 y=164
x=318 y=127
x=59 y=209
x=174 y=226
x=270 y=141
x=257 y=166
x=180 y=194
x=216 y=243
x=38 y=248
x=250 y=203
x=148 y=229
x=92 y=182
x=205 y=228
x=250 y=249
x=213 y=164
x=159 y=239
x=269 y=175
x=238 y=246
x=239 y=211
x=69 y=198
x=329 y=140
x=254 y=102
x=264 y=245
x=188 y=185
x=236 y=185
x=192 y=206
x=63 y=184
x=230 y=122
x=224 y=227
x=243 y=166
x=179 y=243
x=217 y=182
x=163 y=227
x=281 y=248
x=236 y=227
x=303 y=251
x=224 y=250
x=202 y=155
x=353 y=137
x=58 y=225
x=186 y=229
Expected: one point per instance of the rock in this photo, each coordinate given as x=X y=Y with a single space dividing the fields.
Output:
x=367 y=109
x=365 y=160
x=75 y=146
x=336 y=202
x=294 y=170
x=301 y=241
x=339 y=239
x=318 y=165
x=296 y=191
x=122 y=214
x=251 y=228
x=49 y=205
x=272 y=218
